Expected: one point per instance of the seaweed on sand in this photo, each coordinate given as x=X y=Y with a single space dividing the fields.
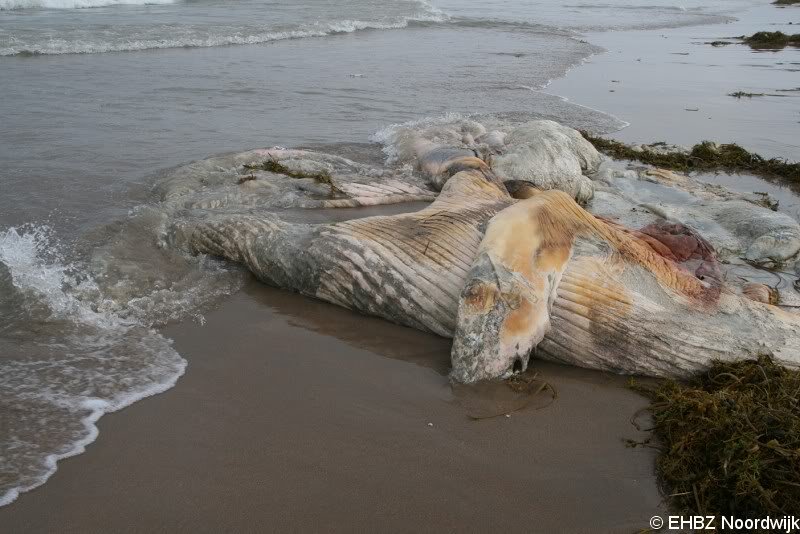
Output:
x=730 y=439
x=742 y=94
x=771 y=40
x=275 y=166
x=704 y=156
x=785 y=2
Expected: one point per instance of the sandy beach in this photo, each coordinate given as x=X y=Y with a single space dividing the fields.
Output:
x=297 y=416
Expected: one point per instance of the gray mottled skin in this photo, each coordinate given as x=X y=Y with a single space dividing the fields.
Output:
x=406 y=268
x=543 y=153
x=734 y=224
x=416 y=269
x=562 y=159
x=234 y=183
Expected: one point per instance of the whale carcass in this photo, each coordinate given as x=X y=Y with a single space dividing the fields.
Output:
x=505 y=259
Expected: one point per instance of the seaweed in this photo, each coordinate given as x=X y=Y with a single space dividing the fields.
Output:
x=742 y=94
x=704 y=156
x=771 y=40
x=786 y=2
x=275 y=166
x=729 y=439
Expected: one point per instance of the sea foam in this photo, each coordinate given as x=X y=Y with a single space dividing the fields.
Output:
x=53 y=392
x=73 y=4
x=189 y=37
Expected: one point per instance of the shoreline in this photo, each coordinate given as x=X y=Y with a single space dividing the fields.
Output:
x=331 y=427
x=112 y=461
x=674 y=87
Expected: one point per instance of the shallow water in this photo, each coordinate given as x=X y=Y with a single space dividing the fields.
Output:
x=673 y=86
x=140 y=25
x=786 y=194
x=97 y=101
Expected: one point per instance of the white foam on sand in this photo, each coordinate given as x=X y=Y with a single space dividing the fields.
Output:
x=124 y=360
x=98 y=407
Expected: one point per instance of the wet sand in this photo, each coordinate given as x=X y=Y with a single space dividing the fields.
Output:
x=295 y=415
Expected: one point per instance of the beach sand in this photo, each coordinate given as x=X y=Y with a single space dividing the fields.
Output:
x=296 y=415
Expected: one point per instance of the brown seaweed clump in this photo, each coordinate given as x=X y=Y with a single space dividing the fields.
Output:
x=275 y=166
x=771 y=40
x=705 y=156
x=731 y=439
x=742 y=94
x=786 y=2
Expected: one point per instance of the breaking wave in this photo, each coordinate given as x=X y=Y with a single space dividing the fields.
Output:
x=130 y=37
x=74 y=4
x=72 y=352
x=192 y=40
